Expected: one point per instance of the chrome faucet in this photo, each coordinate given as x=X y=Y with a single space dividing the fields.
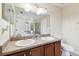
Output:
x=34 y=35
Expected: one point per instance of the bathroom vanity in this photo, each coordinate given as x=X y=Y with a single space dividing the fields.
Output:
x=51 y=49
x=40 y=48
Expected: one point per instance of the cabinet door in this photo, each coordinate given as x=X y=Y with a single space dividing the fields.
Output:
x=49 y=50
x=21 y=53
x=57 y=48
x=39 y=51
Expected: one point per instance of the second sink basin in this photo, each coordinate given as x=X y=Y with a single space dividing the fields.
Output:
x=25 y=42
x=47 y=38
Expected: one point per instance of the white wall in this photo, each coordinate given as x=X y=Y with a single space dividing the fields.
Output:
x=71 y=25
x=0 y=10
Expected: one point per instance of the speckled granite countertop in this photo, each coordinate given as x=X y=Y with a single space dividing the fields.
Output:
x=11 y=47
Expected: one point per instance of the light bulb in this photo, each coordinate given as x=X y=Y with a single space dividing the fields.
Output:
x=41 y=11
x=28 y=7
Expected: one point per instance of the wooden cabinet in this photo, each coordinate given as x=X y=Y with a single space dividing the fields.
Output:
x=57 y=48
x=49 y=50
x=21 y=53
x=39 y=51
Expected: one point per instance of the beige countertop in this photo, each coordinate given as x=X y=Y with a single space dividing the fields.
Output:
x=11 y=47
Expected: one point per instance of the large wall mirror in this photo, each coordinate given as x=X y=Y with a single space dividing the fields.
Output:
x=26 y=21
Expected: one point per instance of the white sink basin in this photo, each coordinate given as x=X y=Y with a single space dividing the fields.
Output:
x=25 y=42
x=47 y=38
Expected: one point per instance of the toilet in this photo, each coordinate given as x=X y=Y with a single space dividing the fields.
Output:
x=66 y=49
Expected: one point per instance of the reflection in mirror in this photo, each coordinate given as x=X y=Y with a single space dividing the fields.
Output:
x=23 y=22
x=7 y=12
x=36 y=27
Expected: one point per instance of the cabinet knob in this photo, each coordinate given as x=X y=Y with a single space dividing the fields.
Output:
x=30 y=53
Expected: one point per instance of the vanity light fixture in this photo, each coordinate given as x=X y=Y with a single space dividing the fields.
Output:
x=28 y=7
x=41 y=11
x=33 y=8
